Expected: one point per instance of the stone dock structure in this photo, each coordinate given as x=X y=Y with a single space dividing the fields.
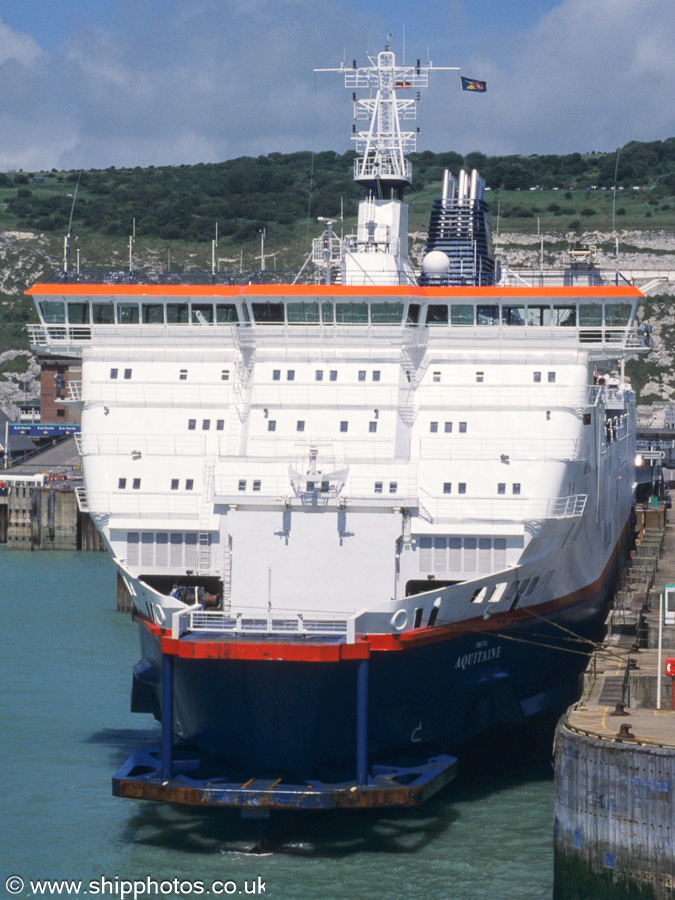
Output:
x=614 y=830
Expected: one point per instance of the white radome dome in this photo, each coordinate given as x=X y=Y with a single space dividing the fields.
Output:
x=435 y=263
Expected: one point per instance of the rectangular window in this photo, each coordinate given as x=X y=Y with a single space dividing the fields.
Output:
x=325 y=486
x=162 y=549
x=225 y=375
x=272 y=425
x=300 y=425
x=448 y=427
x=376 y=375
x=60 y=413
x=318 y=375
x=333 y=374
x=127 y=374
x=176 y=553
x=174 y=484
x=344 y=426
x=437 y=377
x=461 y=314
x=461 y=487
x=516 y=487
x=536 y=377
x=487 y=315
x=454 y=554
x=256 y=485
x=189 y=484
x=290 y=375
x=192 y=424
x=425 y=554
x=114 y=373
x=220 y=424
x=447 y=487
x=437 y=314
x=433 y=427
x=393 y=487
x=136 y=484
x=121 y=484
x=183 y=375
x=311 y=486
x=551 y=377
x=276 y=375
x=462 y=427
x=378 y=487
x=500 y=553
x=501 y=487
x=484 y=554
x=372 y=427
x=147 y=549
x=206 y=424
x=480 y=376
x=362 y=375
x=469 y=554
x=133 y=540
x=242 y=484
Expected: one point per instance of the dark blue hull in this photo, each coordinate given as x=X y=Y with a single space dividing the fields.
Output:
x=271 y=716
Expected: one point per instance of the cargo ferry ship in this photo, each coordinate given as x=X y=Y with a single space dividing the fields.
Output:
x=364 y=515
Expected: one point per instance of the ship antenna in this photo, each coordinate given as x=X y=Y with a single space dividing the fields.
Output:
x=66 y=240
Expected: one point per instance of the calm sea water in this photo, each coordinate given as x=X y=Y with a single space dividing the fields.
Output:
x=66 y=658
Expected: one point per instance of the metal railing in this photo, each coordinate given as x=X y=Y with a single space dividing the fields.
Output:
x=212 y=622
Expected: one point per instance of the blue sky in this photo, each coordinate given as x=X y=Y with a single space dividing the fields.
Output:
x=94 y=83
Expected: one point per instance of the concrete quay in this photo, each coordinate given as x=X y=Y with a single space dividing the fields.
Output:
x=614 y=755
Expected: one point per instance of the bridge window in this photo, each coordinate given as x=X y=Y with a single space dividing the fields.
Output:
x=127 y=313
x=487 y=315
x=513 y=315
x=226 y=312
x=539 y=315
x=103 y=313
x=153 y=314
x=590 y=314
x=53 y=312
x=327 y=313
x=202 y=313
x=177 y=313
x=564 y=315
x=386 y=313
x=617 y=313
x=268 y=313
x=299 y=313
x=352 y=313
x=78 y=313
x=461 y=314
x=437 y=314
x=413 y=313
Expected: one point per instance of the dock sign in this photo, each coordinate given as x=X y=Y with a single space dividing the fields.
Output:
x=669 y=604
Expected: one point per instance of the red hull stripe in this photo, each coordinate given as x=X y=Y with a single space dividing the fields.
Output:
x=228 y=648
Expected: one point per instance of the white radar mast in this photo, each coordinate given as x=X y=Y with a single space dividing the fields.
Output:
x=383 y=146
x=377 y=252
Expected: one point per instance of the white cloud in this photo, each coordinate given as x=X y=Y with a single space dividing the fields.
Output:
x=212 y=79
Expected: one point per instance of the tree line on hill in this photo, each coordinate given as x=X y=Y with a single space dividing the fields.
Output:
x=246 y=194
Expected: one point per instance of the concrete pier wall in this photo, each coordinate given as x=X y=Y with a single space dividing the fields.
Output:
x=614 y=819
x=45 y=518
